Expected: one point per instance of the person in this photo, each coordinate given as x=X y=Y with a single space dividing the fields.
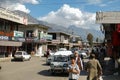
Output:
x=0 y=67
x=78 y=60
x=48 y=53
x=73 y=70
x=93 y=68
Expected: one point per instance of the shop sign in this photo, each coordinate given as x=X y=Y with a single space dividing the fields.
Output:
x=19 y=39
x=9 y=34
x=29 y=39
x=4 y=38
x=48 y=37
x=44 y=36
x=18 y=34
x=9 y=15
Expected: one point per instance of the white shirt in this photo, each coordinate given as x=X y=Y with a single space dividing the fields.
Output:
x=72 y=75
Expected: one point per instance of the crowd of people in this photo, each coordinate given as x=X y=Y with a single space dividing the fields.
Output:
x=93 y=67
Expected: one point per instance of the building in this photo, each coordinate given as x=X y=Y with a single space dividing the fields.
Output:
x=110 y=25
x=63 y=40
x=35 y=38
x=35 y=34
x=10 y=37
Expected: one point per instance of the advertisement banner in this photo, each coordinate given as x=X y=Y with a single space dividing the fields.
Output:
x=18 y=34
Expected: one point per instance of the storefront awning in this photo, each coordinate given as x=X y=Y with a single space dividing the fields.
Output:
x=10 y=43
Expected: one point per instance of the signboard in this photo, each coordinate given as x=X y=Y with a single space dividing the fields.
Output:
x=4 y=38
x=9 y=34
x=29 y=39
x=48 y=37
x=108 y=17
x=45 y=36
x=9 y=15
x=18 y=34
x=19 y=39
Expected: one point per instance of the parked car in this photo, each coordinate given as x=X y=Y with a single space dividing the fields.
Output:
x=22 y=55
x=60 y=62
x=83 y=53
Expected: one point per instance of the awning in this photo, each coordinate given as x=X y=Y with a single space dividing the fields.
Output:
x=10 y=43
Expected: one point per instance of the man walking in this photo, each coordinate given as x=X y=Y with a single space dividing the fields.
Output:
x=93 y=68
x=78 y=60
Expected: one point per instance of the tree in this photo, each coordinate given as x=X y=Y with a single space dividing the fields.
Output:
x=90 y=39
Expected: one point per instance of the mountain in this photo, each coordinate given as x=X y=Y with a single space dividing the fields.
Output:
x=57 y=28
x=84 y=32
x=77 y=31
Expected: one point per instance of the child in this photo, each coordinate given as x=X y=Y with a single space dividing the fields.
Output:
x=73 y=70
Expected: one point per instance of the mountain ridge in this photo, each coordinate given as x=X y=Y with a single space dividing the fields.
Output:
x=71 y=29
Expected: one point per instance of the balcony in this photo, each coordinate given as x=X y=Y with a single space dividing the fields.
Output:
x=65 y=41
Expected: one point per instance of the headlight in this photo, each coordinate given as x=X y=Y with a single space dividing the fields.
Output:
x=65 y=65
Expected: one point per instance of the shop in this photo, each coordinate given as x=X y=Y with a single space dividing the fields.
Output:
x=110 y=26
x=9 y=34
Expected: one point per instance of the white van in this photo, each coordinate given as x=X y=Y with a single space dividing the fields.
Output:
x=60 y=62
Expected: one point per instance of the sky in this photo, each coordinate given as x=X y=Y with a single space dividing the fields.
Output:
x=79 y=13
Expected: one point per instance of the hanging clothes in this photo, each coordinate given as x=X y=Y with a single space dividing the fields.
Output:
x=118 y=28
x=115 y=38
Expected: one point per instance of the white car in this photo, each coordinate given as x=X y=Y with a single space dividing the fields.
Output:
x=60 y=62
x=22 y=55
x=83 y=53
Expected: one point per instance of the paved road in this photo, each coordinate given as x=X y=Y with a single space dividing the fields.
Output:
x=35 y=69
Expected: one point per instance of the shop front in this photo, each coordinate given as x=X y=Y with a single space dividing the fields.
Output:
x=110 y=26
x=9 y=34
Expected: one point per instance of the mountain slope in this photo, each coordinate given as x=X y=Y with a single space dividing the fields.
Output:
x=57 y=28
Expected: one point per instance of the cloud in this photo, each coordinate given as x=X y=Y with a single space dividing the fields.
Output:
x=20 y=7
x=17 y=4
x=67 y=16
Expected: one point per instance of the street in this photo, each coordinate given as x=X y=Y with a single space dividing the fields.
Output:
x=35 y=69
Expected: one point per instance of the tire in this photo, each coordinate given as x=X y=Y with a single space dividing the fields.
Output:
x=52 y=72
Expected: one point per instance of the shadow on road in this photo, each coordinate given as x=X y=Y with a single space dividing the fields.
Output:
x=48 y=73
x=45 y=64
x=13 y=60
x=111 y=77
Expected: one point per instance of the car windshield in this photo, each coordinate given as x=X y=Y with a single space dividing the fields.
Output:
x=18 y=53
x=60 y=58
